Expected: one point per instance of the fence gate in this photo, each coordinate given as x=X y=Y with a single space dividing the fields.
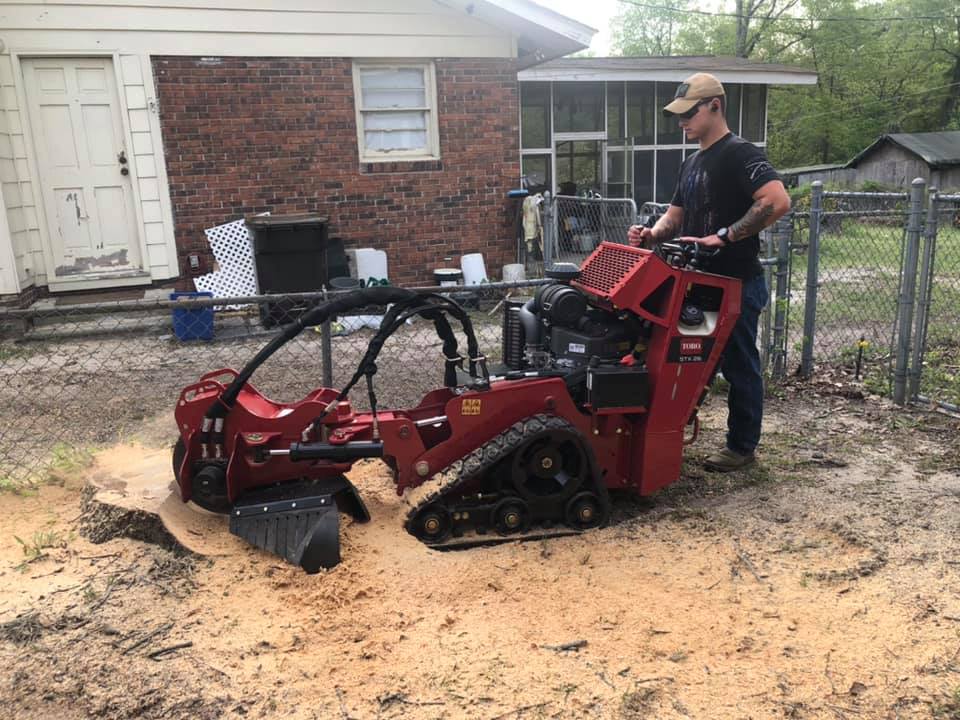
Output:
x=850 y=299
x=935 y=362
x=574 y=226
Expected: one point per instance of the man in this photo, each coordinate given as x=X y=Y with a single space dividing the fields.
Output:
x=727 y=193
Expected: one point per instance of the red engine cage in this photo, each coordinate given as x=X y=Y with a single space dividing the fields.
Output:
x=640 y=449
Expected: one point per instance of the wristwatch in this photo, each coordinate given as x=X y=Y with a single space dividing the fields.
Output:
x=724 y=234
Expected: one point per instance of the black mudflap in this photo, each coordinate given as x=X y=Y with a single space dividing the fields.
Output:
x=300 y=522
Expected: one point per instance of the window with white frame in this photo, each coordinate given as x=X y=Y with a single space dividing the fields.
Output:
x=396 y=111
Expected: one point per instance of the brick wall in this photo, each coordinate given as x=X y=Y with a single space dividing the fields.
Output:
x=279 y=134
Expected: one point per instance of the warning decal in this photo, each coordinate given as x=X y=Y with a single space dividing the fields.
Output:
x=470 y=406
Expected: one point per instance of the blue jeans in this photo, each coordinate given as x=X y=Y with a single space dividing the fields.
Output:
x=741 y=367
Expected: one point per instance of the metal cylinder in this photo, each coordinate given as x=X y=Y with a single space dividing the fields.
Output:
x=924 y=293
x=813 y=269
x=908 y=287
x=781 y=298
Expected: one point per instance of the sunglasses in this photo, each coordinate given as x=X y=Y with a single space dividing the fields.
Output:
x=688 y=115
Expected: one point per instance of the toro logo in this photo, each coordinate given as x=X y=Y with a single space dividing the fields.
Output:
x=689 y=349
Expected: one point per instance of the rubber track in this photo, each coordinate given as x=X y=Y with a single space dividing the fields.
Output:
x=465 y=470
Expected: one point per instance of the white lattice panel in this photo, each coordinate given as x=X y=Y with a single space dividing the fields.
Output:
x=236 y=276
x=232 y=246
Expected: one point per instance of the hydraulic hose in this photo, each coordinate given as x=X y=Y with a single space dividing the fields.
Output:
x=401 y=298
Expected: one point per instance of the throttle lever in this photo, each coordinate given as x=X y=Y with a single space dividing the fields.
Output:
x=685 y=253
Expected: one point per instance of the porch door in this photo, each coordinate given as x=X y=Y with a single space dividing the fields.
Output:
x=84 y=168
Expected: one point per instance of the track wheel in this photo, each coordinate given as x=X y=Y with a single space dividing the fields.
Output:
x=584 y=511
x=551 y=465
x=432 y=524
x=510 y=515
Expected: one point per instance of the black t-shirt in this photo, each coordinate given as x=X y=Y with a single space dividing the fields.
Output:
x=715 y=189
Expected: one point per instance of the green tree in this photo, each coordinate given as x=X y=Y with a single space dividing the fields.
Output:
x=639 y=31
x=887 y=66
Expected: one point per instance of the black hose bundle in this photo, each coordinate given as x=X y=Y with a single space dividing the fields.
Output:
x=405 y=304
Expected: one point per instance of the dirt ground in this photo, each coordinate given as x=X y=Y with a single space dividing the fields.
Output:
x=823 y=583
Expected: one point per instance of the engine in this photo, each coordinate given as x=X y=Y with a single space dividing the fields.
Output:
x=600 y=351
x=559 y=329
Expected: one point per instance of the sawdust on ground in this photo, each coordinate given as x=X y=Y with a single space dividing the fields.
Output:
x=823 y=583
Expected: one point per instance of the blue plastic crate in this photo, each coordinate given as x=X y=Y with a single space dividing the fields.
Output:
x=193 y=323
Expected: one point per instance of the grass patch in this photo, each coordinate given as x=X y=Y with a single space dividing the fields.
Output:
x=8 y=352
x=40 y=541
x=66 y=460
x=947 y=708
x=15 y=487
x=940 y=377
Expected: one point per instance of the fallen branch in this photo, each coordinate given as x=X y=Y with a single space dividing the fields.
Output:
x=566 y=647
x=157 y=654
x=55 y=572
x=146 y=638
x=343 y=710
x=826 y=672
x=746 y=561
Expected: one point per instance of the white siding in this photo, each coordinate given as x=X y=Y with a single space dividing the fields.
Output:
x=146 y=164
x=18 y=226
x=131 y=31
x=325 y=28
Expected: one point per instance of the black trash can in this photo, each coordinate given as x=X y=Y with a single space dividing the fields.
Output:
x=293 y=254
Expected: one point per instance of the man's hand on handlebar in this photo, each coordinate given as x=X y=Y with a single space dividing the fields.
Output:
x=639 y=236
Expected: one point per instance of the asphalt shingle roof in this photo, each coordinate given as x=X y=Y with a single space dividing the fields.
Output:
x=937 y=149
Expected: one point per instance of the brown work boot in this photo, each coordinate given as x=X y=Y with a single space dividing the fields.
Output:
x=727 y=460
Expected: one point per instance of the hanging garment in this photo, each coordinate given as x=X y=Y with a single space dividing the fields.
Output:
x=533 y=225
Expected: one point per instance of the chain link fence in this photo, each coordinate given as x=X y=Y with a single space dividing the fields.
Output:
x=874 y=285
x=854 y=258
x=846 y=278
x=76 y=377
x=935 y=369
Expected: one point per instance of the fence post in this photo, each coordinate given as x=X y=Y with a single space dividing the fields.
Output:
x=768 y=241
x=549 y=227
x=924 y=294
x=781 y=297
x=326 y=350
x=908 y=287
x=813 y=269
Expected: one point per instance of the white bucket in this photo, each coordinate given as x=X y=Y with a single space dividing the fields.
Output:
x=367 y=263
x=474 y=271
x=515 y=272
x=447 y=276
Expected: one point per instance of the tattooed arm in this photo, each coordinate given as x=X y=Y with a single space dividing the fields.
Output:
x=666 y=228
x=770 y=202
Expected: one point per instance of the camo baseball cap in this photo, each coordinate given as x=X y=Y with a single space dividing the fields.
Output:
x=691 y=91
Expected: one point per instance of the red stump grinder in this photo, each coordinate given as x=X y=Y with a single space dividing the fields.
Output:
x=603 y=370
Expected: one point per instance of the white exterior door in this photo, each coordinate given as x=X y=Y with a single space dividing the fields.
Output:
x=84 y=170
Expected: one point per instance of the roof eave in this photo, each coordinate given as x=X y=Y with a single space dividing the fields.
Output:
x=540 y=33
x=751 y=76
